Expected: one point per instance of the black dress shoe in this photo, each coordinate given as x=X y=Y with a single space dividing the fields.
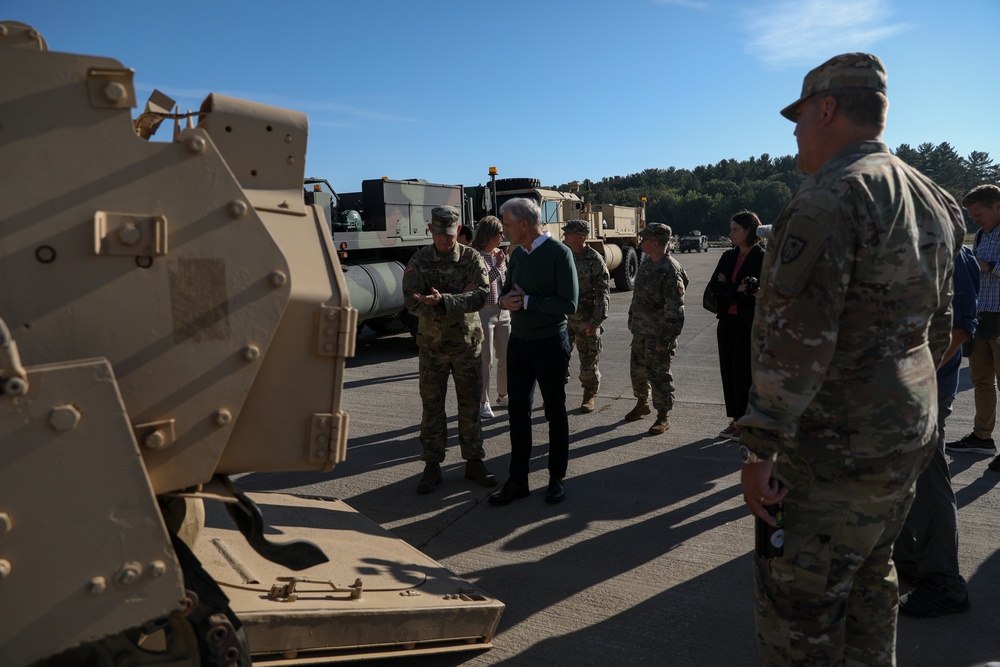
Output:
x=555 y=492
x=510 y=492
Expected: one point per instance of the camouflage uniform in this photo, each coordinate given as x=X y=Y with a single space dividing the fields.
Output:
x=595 y=299
x=852 y=315
x=655 y=319
x=450 y=340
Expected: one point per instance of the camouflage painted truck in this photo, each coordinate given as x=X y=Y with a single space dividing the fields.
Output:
x=375 y=232
x=174 y=314
x=613 y=229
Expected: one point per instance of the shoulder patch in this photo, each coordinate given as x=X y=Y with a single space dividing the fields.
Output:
x=800 y=249
x=792 y=248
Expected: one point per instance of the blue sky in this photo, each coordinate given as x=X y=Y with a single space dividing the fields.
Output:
x=550 y=89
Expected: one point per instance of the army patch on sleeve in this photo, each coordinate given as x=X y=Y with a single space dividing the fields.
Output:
x=792 y=248
x=800 y=251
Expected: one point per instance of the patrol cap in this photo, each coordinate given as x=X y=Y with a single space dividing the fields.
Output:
x=576 y=227
x=656 y=231
x=849 y=70
x=444 y=220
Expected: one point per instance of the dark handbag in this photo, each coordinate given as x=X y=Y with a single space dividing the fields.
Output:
x=708 y=300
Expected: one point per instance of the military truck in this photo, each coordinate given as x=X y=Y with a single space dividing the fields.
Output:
x=375 y=232
x=173 y=314
x=613 y=229
x=694 y=242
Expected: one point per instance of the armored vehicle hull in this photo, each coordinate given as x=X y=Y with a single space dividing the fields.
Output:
x=174 y=313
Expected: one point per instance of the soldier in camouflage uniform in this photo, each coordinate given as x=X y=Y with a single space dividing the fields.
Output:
x=853 y=316
x=655 y=319
x=595 y=298
x=445 y=285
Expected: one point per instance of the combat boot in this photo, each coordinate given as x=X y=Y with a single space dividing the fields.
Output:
x=640 y=410
x=661 y=424
x=430 y=478
x=588 y=401
x=477 y=470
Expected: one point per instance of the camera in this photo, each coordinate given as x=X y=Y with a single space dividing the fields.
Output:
x=752 y=284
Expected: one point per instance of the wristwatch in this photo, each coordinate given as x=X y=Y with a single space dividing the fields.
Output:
x=747 y=456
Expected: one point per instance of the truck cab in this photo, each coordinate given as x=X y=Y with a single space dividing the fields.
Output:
x=613 y=232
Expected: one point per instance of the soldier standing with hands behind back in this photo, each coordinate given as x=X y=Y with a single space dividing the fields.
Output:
x=843 y=407
x=445 y=285
x=655 y=319
x=595 y=298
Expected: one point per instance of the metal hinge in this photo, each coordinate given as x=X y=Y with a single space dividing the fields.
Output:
x=337 y=331
x=328 y=438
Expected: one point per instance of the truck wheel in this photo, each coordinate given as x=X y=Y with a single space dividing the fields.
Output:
x=624 y=275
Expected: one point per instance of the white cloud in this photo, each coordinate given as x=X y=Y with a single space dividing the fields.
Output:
x=805 y=31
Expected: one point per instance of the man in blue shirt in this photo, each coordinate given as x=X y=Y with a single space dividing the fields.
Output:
x=983 y=205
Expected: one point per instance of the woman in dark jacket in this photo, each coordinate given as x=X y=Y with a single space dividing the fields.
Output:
x=734 y=284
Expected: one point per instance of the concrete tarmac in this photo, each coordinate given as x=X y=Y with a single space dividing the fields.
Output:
x=648 y=560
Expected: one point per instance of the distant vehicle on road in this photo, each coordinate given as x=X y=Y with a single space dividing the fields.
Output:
x=694 y=242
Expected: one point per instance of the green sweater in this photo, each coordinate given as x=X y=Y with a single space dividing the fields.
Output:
x=548 y=277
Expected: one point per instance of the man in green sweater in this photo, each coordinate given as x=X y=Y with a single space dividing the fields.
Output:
x=540 y=291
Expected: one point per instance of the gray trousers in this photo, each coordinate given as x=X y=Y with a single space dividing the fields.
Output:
x=927 y=545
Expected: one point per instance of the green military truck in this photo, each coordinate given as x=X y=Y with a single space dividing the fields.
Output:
x=375 y=232
x=694 y=242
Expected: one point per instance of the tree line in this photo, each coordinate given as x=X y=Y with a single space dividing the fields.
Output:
x=704 y=198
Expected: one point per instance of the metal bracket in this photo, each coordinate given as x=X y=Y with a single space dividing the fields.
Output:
x=287 y=593
x=129 y=234
x=13 y=376
x=155 y=435
x=111 y=88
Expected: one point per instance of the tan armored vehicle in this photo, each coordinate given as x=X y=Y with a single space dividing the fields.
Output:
x=173 y=313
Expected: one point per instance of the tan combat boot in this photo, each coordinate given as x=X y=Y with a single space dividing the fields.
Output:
x=661 y=424
x=640 y=410
x=477 y=470
x=430 y=478
x=588 y=401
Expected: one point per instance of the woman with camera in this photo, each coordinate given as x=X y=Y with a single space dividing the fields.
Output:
x=734 y=285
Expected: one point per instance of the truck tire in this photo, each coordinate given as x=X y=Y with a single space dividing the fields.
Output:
x=624 y=275
x=504 y=184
